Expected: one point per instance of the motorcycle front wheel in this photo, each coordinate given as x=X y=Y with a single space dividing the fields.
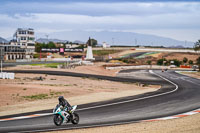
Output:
x=75 y=118
x=57 y=120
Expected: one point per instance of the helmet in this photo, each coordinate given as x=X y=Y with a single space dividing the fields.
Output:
x=60 y=98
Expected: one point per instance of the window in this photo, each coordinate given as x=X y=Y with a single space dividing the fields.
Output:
x=23 y=38
x=31 y=38
x=30 y=32
x=31 y=44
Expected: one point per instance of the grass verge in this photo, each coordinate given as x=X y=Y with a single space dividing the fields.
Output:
x=36 y=97
x=44 y=96
x=105 y=52
x=49 y=65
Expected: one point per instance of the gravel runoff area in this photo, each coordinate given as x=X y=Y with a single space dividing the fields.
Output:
x=33 y=92
x=27 y=93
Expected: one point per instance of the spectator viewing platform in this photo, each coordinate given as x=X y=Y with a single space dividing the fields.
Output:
x=13 y=52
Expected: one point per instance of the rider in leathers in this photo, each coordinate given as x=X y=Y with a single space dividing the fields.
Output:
x=63 y=102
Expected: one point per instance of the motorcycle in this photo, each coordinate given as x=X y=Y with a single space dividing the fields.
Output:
x=61 y=116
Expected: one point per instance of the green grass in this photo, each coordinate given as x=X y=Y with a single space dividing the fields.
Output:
x=146 y=54
x=49 y=65
x=53 y=65
x=52 y=93
x=36 y=97
x=44 y=96
x=105 y=52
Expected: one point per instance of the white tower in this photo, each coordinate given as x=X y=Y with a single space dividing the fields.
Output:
x=89 y=55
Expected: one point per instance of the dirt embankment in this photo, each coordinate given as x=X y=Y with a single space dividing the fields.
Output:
x=180 y=56
x=192 y=74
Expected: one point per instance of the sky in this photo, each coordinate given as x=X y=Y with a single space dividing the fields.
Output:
x=176 y=19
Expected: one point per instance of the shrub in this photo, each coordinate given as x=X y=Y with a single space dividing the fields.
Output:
x=191 y=62
x=185 y=60
x=149 y=62
x=176 y=62
x=160 y=61
x=36 y=97
x=128 y=60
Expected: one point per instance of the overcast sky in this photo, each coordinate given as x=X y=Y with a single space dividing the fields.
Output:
x=175 y=19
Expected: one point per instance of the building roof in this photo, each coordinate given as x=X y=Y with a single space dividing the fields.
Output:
x=24 y=29
x=9 y=45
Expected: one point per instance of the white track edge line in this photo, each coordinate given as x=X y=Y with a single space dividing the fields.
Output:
x=163 y=118
x=150 y=71
x=138 y=98
x=111 y=124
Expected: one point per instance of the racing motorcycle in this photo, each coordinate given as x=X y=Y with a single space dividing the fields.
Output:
x=61 y=116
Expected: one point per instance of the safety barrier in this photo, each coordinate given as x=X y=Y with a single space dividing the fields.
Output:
x=5 y=75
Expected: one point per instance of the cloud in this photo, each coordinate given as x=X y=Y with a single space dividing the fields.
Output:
x=103 y=8
x=49 y=17
x=179 y=20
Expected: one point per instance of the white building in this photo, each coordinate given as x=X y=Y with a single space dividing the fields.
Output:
x=25 y=39
x=105 y=45
x=73 y=45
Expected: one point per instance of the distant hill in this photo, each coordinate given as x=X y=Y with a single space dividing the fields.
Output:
x=134 y=39
x=122 y=38
x=44 y=40
x=177 y=46
x=79 y=42
x=2 y=40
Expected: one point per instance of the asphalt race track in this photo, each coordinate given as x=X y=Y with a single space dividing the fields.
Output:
x=177 y=95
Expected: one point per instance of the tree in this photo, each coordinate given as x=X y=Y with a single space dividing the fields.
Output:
x=198 y=62
x=93 y=42
x=161 y=61
x=38 y=47
x=177 y=62
x=51 y=45
x=185 y=60
x=191 y=62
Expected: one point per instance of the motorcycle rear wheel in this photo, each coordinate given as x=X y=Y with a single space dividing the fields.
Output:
x=58 y=120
